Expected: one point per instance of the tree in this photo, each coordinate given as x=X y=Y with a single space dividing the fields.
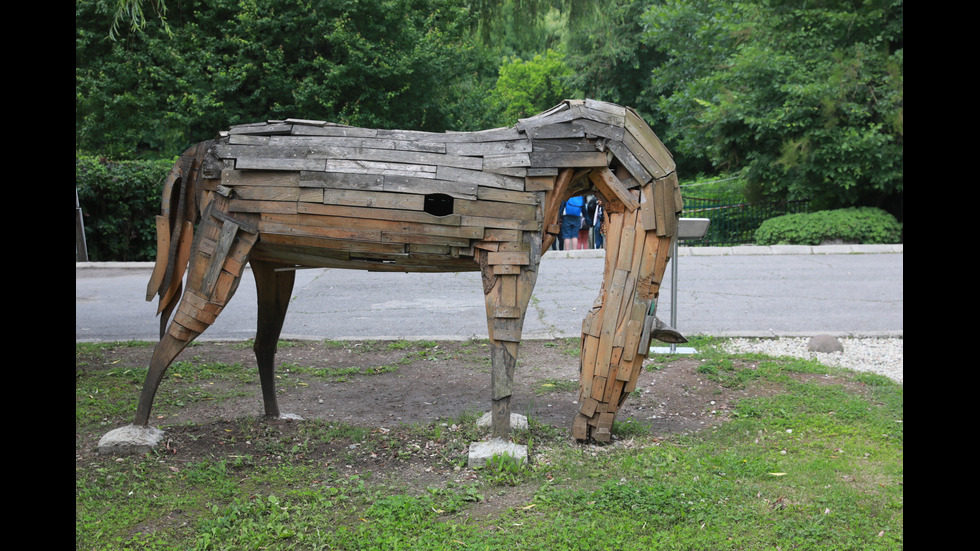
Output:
x=377 y=63
x=526 y=88
x=806 y=101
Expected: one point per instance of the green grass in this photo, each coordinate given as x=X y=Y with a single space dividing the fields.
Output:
x=811 y=465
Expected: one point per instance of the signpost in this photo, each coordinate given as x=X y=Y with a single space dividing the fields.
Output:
x=688 y=229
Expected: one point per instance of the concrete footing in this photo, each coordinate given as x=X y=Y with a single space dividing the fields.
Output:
x=130 y=440
x=481 y=452
x=517 y=421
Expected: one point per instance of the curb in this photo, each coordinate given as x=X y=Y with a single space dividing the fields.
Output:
x=739 y=250
x=751 y=250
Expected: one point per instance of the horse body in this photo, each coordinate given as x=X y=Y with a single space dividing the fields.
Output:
x=287 y=194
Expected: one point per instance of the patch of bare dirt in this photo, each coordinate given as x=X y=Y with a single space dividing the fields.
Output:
x=388 y=391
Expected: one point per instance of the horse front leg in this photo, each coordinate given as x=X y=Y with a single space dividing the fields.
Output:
x=509 y=275
x=274 y=284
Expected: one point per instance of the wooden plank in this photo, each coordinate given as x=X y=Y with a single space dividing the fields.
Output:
x=248 y=139
x=379 y=168
x=394 y=221
x=538 y=171
x=566 y=160
x=606 y=107
x=663 y=209
x=351 y=214
x=674 y=184
x=648 y=214
x=225 y=239
x=506 y=161
x=514 y=171
x=316 y=143
x=640 y=130
x=630 y=161
x=609 y=185
x=495 y=209
x=393 y=156
x=307 y=122
x=278 y=207
x=539 y=183
x=420 y=238
x=501 y=223
x=602 y=114
x=490 y=135
x=565 y=146
x=374 y=199
x=480 y=178
x=498 y=234
x=598 y=387
x=311 y=195
x=511 y=312
x=334 y=130
x=341 y=180
x=643 y=156
x=558 y=130
x=590 y=346
x=483 y=149
x=233 y=178
x=276 y=224
x=312 y=242
x=603 y=130
x=634 y=329
x=506 y=269
x=519 y=258
x=258 y=163
x=261 y=128
x=425 y=186
x=508 y=196
x=580 y=427
x=555 y=116
x=160 y=266
x=266 y=193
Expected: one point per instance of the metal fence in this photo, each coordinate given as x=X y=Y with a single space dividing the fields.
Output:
x=733 y=219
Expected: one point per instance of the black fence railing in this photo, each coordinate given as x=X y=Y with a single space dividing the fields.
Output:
x=734 y=222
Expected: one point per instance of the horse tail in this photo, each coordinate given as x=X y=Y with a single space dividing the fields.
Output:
x=180 y=210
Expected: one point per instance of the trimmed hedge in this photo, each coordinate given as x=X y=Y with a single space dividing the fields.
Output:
x=851 y=225
x=119 y=202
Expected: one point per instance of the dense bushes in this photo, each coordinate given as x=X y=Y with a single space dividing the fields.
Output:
x=851 y=225
x=119 y=201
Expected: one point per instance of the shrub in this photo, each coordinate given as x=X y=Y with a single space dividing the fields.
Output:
x=850 y=225
x=119 y=201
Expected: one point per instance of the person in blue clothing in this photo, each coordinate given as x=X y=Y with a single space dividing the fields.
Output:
x=571 y=221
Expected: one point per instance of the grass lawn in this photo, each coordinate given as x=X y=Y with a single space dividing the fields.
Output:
x=809 y=457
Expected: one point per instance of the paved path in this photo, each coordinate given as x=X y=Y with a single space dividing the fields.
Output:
x=737 y=291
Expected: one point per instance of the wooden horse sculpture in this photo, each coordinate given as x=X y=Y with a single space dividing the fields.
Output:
x=296 y=193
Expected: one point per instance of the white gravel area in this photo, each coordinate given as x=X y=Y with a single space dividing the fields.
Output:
x=883 y=356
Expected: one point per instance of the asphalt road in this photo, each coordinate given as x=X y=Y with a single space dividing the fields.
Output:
x=722 y=292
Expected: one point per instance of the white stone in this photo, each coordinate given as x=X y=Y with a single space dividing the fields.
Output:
x=517 y=421
x=481 y=452
x=129 y=440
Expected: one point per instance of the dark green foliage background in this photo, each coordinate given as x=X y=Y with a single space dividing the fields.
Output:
x=381 y=64
x=121 y=200
x=800 y=101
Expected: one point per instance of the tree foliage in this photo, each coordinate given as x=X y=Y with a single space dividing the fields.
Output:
x=377 y=63
x=525 y=88
x=806 y=100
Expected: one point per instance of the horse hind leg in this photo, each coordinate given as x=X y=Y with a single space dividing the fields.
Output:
x=273 y=284
x=219 y=255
